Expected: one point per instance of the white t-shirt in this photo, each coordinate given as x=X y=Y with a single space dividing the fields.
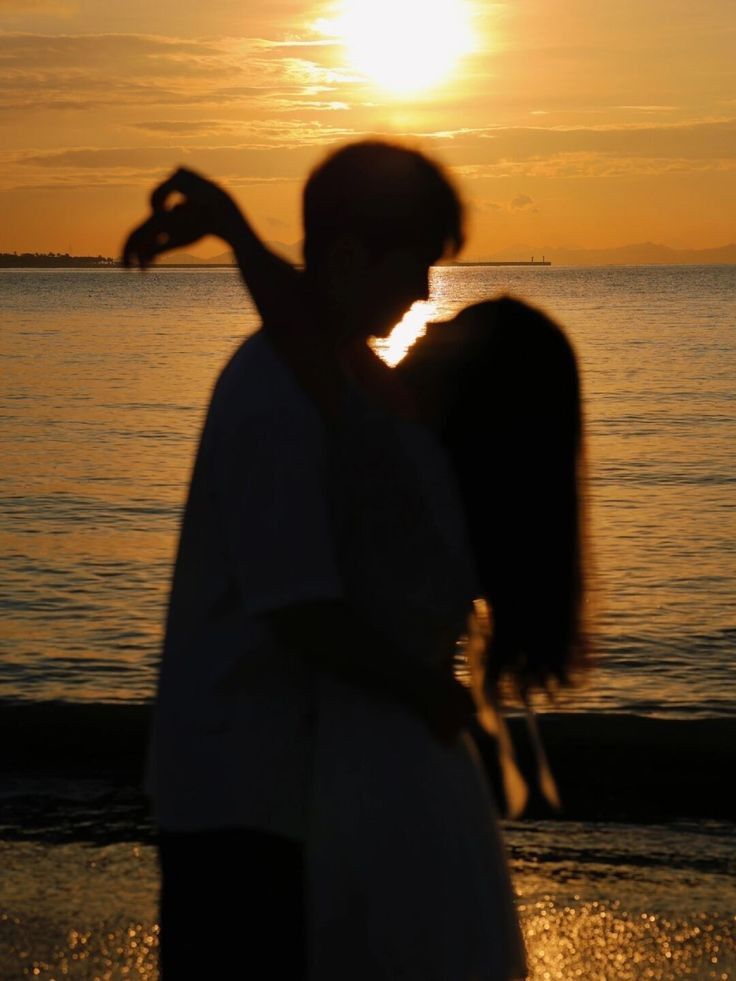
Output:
x=400 y=536
x=232 y=735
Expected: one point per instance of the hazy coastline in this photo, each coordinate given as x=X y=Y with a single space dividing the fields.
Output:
x=638 y=254
x=613 y=767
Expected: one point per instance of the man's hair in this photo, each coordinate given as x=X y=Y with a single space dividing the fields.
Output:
x=387 y=197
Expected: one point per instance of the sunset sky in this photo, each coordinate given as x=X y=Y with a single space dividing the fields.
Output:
x=566 y=123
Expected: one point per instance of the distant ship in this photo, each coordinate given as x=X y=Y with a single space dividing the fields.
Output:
x=509 y=262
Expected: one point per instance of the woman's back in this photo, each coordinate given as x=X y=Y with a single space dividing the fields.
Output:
x=500 y=384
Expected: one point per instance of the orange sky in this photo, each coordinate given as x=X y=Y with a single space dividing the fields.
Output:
x=570 y=123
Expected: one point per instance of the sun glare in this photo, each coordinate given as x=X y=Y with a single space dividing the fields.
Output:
x=413 y=326
x=404 y=45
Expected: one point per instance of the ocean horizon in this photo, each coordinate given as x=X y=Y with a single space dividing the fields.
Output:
x=108 y=375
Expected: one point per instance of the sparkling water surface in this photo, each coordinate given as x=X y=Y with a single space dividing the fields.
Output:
x=106 y=378
x=595 y=904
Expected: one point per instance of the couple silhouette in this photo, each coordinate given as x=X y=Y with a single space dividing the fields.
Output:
x=321 y=807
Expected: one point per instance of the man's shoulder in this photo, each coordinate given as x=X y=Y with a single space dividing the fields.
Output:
x=254 y=356
x=257 y=396
x=255 y=381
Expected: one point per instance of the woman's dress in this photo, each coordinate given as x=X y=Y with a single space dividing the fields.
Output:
x=406 y=873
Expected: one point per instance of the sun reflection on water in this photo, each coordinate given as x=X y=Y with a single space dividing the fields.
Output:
x=596 y=941
x=410 y=328
x=79 y=911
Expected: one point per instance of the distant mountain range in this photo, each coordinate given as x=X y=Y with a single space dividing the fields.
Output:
x=643 y=253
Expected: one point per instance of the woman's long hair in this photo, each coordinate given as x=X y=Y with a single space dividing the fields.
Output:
x=513 y=426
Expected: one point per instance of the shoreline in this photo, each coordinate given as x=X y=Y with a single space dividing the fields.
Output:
x=117 y=265
x=72 y=770
x=623 y=903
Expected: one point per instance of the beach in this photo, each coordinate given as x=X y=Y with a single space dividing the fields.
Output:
x=108 y=378
x=627 y=882
x=599 y=902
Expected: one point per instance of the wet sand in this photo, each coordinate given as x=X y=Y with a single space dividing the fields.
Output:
x=609 y=766
x=634 y=881
x=599 y=902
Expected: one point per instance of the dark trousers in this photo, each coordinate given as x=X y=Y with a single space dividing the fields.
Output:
x=232 y=906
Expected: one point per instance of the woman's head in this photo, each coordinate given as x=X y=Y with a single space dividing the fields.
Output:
x=513 y=424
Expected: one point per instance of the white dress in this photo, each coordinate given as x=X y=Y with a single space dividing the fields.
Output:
x=406 y=873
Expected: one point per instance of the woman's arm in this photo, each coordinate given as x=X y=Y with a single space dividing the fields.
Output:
x=335 y=640
x=202 y=208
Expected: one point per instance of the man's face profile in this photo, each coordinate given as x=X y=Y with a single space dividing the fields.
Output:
x=388 y=285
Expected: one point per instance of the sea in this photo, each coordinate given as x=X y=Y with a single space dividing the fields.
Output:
x=106 y=379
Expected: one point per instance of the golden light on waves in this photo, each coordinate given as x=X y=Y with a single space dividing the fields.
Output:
x=410 y=328
x=406 y=46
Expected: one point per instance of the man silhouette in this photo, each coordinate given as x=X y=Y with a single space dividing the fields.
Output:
x=258 y=604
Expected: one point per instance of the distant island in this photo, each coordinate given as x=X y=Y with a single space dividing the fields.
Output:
x=54 y=260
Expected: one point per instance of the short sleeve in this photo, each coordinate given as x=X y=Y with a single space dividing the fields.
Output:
x=272 y=495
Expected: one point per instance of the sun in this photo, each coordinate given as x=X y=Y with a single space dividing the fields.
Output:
x=404 y=45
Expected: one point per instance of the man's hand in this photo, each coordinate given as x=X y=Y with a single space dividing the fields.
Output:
x=200 y=208
x=318 y=631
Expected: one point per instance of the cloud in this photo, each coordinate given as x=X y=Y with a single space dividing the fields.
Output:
x=595 y=151
x=251 y=160
x=27 y=52
x=254 y=96
x=590 y=165
x=258 y=133
x=52 y=8
x=138 y=158
x=41 y=72
x=246 y=152
x=300 y=105
x=694 y=140
x=649 y=108
x=297 y=44
x=521 y=202
x=197 y=127
x=238 y=165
